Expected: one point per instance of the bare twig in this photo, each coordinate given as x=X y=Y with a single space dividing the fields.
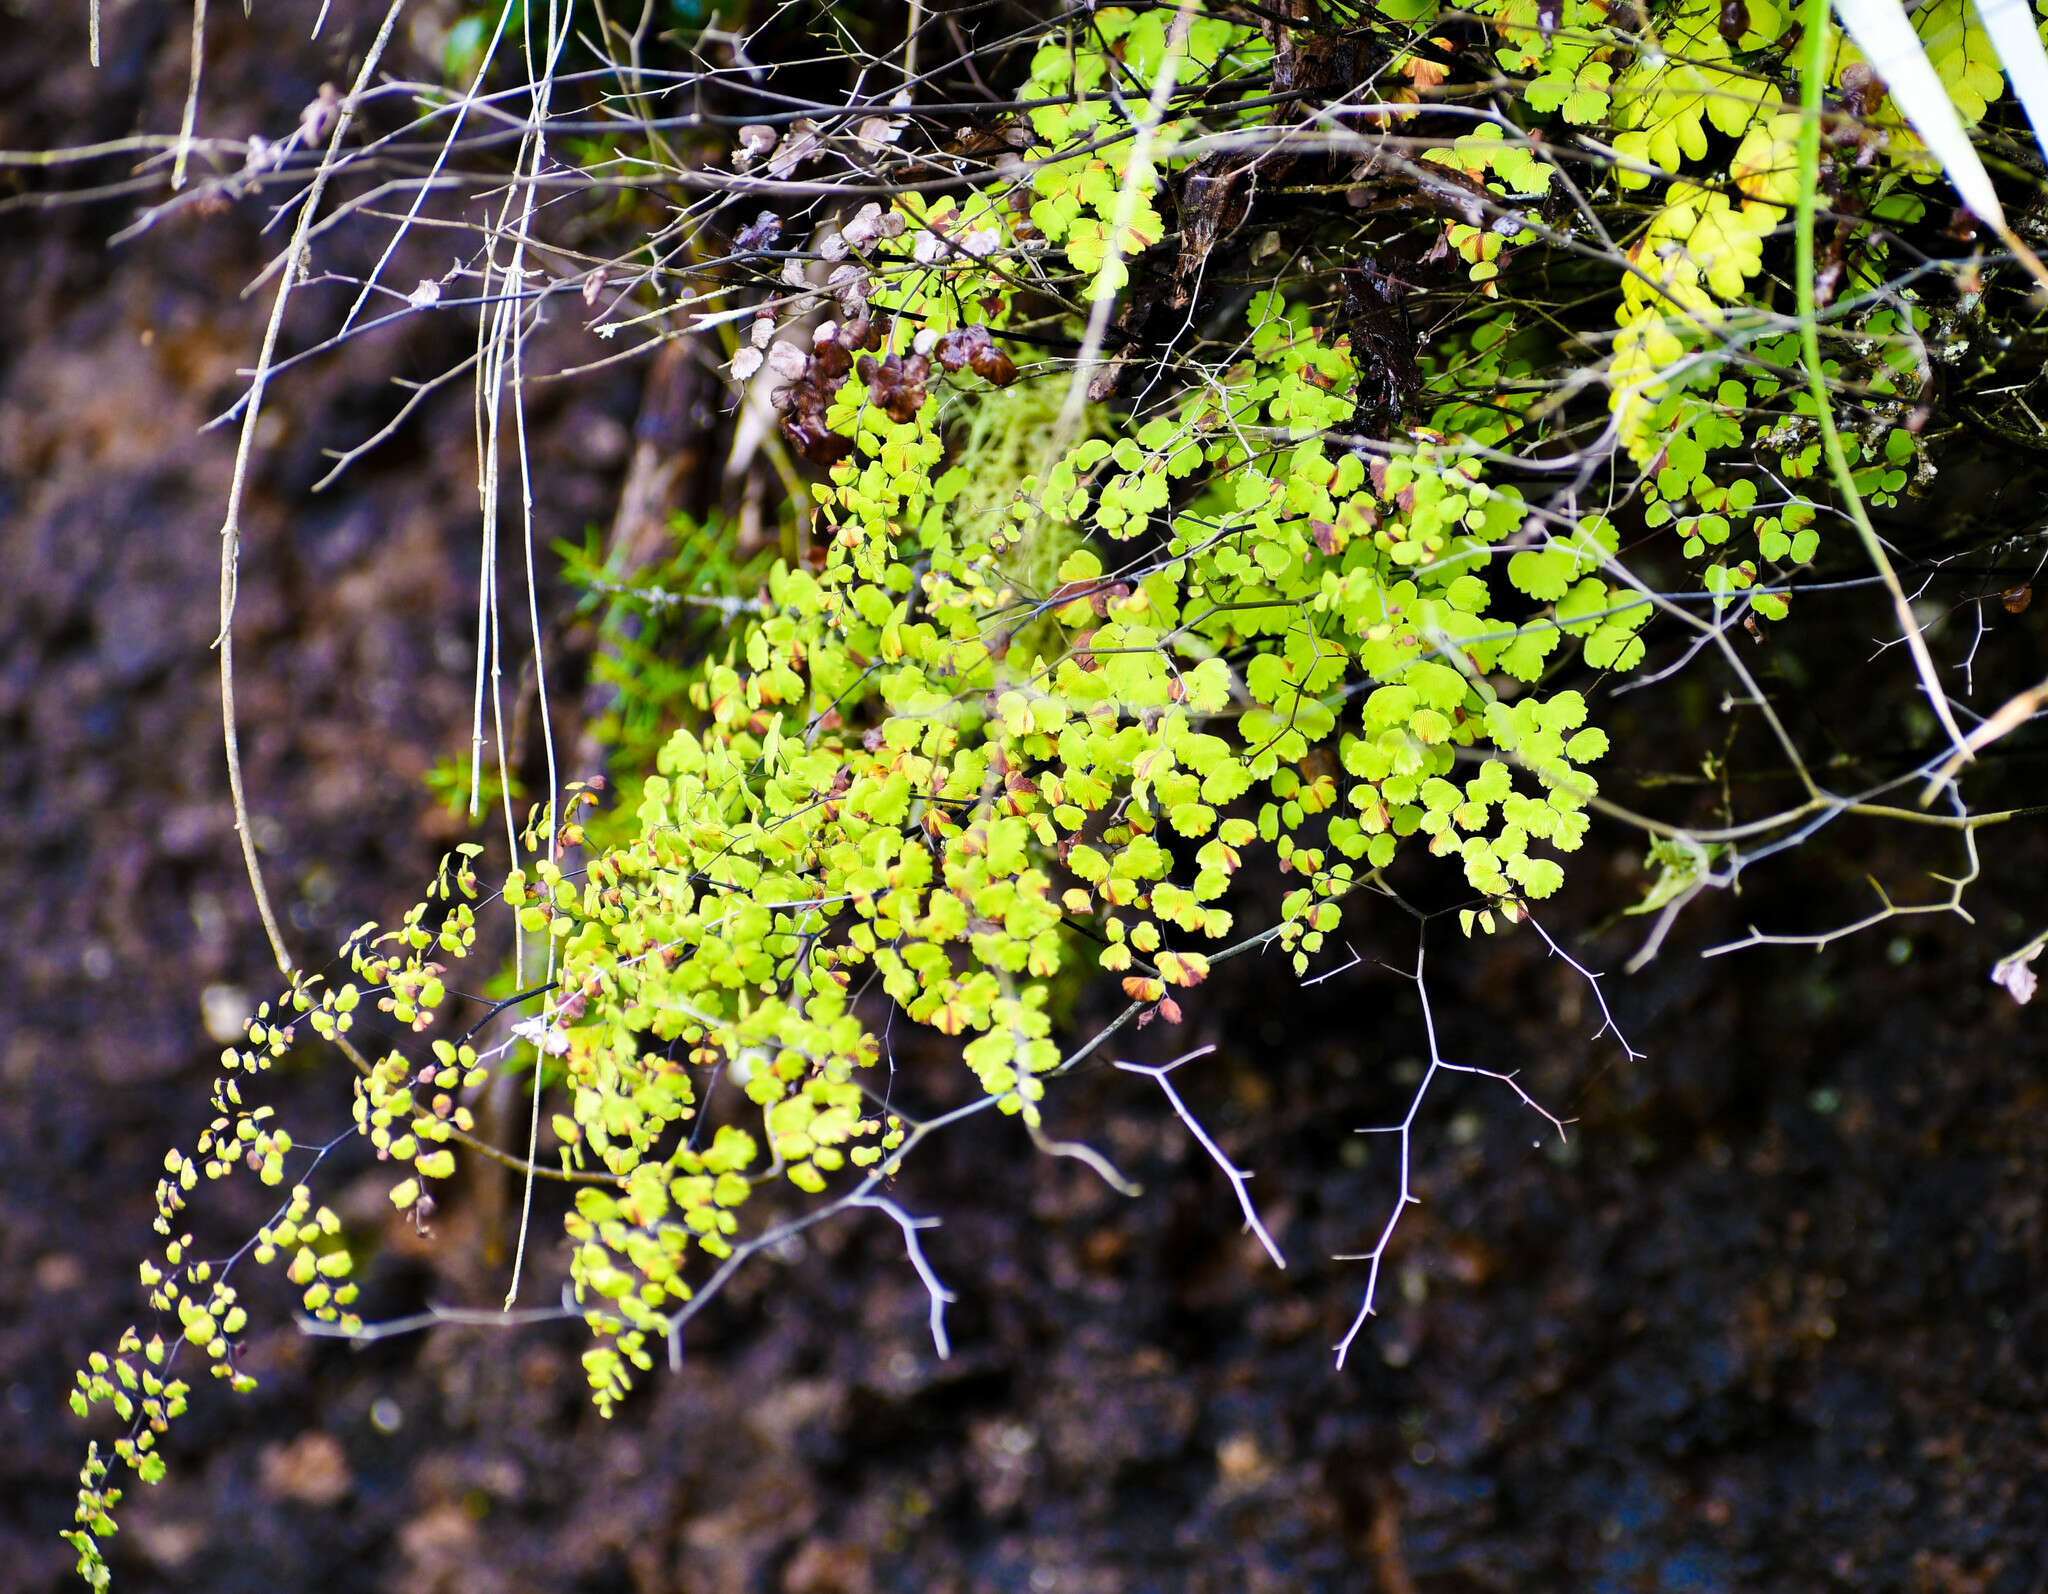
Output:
x=1607 y=1023
x=1137 y=178
x=1085 y=1154
x=1238 y=1177
x=2009 y=717
x=1404 y=1131
x=443 y=1317
x=941 y=1297
x=191 y=115
x=231 y=527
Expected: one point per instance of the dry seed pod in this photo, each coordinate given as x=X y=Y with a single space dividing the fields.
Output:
x=953 y=349
x=833 y=360
x=993 y=366
x=877 y=133
x=971 y=347
x=760 y=234
x=896 y=386
x=801 y=145
x=1862 y=89
x=866 y=226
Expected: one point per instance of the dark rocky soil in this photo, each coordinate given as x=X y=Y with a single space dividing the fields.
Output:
x=1774 y=1321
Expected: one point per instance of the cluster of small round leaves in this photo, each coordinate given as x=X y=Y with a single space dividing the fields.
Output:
x=1566 y=52
x=882 y=784
x=1118 y=44
x=196 y=1304
x=1714 y=68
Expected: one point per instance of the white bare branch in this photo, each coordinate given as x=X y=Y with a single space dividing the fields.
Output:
x=1238 y=1177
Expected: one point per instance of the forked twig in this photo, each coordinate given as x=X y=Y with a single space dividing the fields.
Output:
x=1607 y=1023
x=941 y=1297
x=1237 y=1176
x=1405 y=1131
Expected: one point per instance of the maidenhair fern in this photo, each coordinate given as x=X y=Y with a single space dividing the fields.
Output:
x=1044 y=691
